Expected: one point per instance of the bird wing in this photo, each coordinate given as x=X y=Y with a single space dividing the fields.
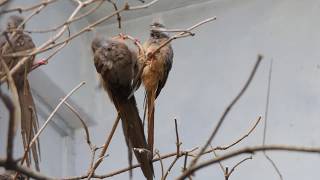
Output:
x=167 y=54
x=117 y=74
x=29 y=122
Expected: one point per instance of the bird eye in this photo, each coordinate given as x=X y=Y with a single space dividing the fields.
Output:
x=109 y=48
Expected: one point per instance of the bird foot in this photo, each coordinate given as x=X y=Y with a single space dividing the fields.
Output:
x=122 y=36
x=39 y=63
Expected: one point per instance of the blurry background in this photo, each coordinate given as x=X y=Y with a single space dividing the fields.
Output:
x=209 y=70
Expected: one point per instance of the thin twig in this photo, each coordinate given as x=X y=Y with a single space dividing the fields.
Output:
x=20 y=9
x=266 y=124
x=161 y=163
x=185 y=33
x=105 y=147
x=170 y=167
x=238 y=164
x=83 y=15
x=85 y=127
x=14 y=166
x=50 y=117
x=52 y=44
x=241 y=138
x=16 y=111
x=118 y=14
x=250 y=150
x=223 y=169
x=225 y=113
x=3 y=2
x=178 y=143
x=113 y=173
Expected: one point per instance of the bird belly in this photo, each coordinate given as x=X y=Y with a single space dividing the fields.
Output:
x=152 y=74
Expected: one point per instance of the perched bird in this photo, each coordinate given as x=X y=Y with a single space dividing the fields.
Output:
x=155 y=73
x=117 y=66
x=11 y=41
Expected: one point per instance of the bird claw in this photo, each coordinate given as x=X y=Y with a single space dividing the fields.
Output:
x=42 y=62
x=122 y=36
x=39 y=63
x=137 y=41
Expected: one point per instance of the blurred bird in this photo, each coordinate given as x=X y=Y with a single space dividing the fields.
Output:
x=155 y=73
x=11 y=41
x=117 y=66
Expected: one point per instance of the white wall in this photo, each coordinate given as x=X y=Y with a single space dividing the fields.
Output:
x=56 y=81
x=208 y=71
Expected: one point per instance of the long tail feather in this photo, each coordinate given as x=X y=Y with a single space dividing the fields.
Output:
x=144 y=109
x=135 y=134
x=29 y=121
x=151 y=99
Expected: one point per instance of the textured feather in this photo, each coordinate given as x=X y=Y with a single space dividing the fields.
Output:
x=29 y=122
x=117 y=65
x=155 y=75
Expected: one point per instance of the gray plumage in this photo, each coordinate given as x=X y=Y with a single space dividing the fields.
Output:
x=117 y=66
x=12 y=41
x=155 y=73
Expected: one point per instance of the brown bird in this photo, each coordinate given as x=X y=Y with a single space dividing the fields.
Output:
x=155 y=73
x=117 y=66
x=11 y=41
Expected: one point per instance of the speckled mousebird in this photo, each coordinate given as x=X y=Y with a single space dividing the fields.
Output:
x=11 y=41
x=155 y=73
x=117 y=66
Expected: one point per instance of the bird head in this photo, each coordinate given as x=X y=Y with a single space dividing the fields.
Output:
x=97 y=42
x=111 y=50
x=156 y=30
x=14 y=22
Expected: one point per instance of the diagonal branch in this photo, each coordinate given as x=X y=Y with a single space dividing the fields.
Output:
x=50 y=118
x=249 y=150
x=105 y=147
x=16 y=116
x=225 y=113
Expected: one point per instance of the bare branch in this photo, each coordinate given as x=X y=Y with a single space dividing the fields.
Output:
x=20 y=9
x=225 y=113
x=118 y=14
x=241 y=138
x=238 y=164
x=68 y=22
x=105 y=147
x=170 y=167
x=51 y=43
x=50 y=117
x=161 y=163
x=182 y=34
x=266 y=123
x=16 y=111
x=169 y=155
x=250 y=150
x=85 y=127
x=3 y=2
